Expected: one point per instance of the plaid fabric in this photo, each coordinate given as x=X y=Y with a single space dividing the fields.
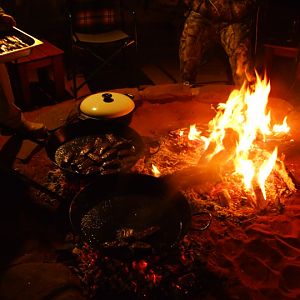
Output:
x=93 y=16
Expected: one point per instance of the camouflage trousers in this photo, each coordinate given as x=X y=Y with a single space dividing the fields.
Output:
x=199 y=34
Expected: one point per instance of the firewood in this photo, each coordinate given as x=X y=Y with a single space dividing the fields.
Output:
x=193 y=176
x=260 y=200
x=224 y=198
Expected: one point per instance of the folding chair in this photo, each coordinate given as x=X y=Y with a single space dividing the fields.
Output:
x=96 y=26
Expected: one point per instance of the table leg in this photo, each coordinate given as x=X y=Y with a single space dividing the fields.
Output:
x=25 y=87
x=59 y=76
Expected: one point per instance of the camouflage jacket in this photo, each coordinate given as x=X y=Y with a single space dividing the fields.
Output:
x=224 y=10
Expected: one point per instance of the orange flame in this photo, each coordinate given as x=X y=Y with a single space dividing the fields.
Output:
x=283 y=128
x=245 y=117
x=195 y=135
x=155 y=171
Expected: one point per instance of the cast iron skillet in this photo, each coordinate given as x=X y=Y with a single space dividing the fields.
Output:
x=83 y=129
x=117 y=202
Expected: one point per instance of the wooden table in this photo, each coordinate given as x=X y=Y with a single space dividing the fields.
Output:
x=43 y=56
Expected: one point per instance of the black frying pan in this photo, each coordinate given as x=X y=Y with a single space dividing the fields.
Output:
x=154 y=215
x=75 y=136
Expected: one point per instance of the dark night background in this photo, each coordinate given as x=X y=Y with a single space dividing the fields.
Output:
x=278 y=22
x=159 y=28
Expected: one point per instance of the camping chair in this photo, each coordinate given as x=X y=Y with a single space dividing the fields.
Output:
x=97 y=28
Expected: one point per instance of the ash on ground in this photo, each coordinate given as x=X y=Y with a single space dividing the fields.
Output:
x=227 y=197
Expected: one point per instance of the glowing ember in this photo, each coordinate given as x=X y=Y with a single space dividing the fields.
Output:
x=238 y=134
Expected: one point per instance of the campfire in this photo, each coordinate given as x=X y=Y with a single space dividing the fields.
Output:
x=231 y=168
x=240 y=145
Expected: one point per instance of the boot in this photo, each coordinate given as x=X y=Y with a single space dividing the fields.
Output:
x=31 y=129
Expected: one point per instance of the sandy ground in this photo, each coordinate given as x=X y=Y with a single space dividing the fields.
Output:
x=257 y=258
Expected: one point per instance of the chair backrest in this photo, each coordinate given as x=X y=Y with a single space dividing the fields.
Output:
x=95 y=16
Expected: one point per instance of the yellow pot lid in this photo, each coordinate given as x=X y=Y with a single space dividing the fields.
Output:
x=107 y=105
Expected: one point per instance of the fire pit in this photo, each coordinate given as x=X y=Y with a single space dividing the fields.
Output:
x=231 y=168
x=240 y=145
x=250 y=250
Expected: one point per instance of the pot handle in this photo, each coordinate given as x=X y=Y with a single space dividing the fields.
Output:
x=107 y=97
x=205 y=223
x=130 y=96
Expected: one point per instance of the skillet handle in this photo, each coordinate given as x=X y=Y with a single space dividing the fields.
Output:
x=206 y=223
x=14 y=173
x=152 y=146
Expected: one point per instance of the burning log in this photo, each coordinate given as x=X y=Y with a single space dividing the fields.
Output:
x=193 y=176
x=260 y=201
x=224 y=198
x=235 y=162
x=220 y=155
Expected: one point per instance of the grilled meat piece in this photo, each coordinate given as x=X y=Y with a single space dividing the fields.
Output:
x=130 y=234
x=112 y=164
x=125 y=234
x=98 y=142
x=77 y=161
x=95 y=158
x=111 y=138
x=83 y=165
x=67 y=159
x=110 y=154
x=122 y=144
x=101 y=148
x=86 y=148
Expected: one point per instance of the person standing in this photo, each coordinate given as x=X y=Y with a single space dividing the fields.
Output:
x=227 y=22
x=11 y=116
